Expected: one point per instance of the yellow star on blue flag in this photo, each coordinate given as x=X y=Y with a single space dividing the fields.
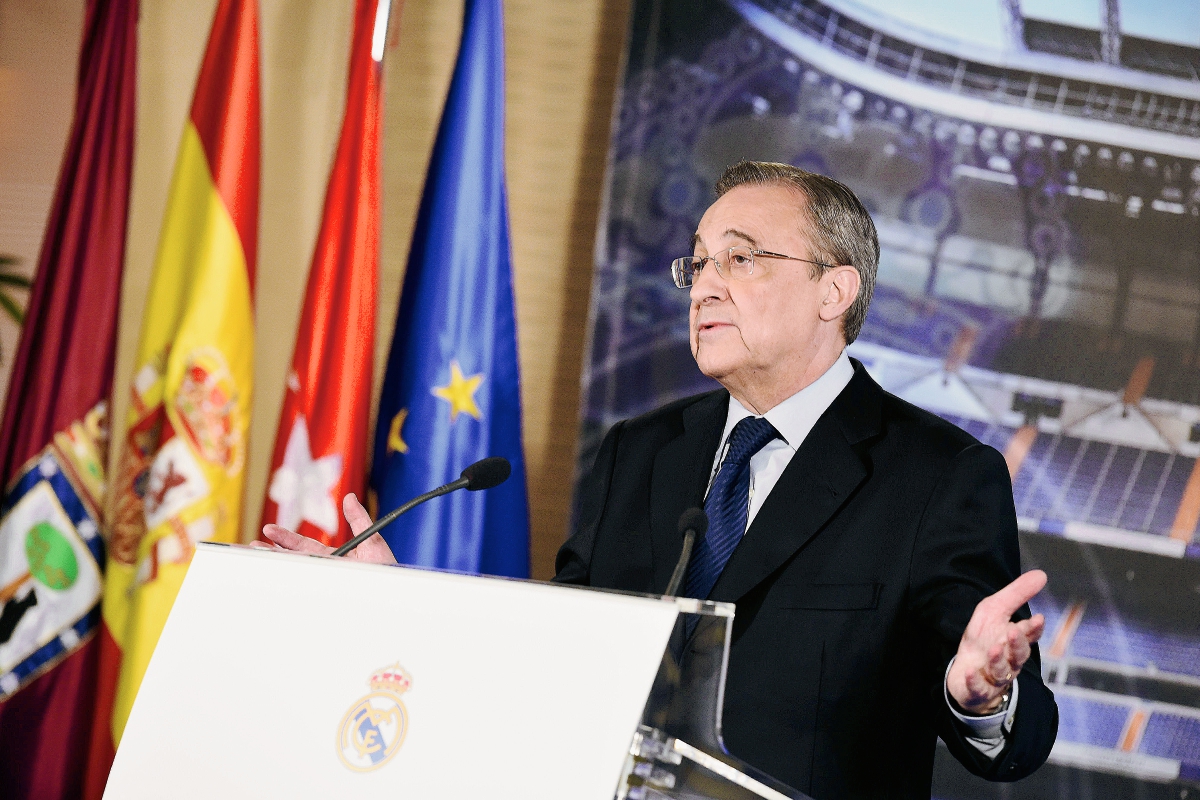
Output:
x=459 y=392
x=395 y=442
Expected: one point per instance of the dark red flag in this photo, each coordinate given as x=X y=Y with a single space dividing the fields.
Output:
x=53 y=439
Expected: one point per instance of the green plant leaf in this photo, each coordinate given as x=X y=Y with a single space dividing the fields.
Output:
x=12 y=308
x=15 y=280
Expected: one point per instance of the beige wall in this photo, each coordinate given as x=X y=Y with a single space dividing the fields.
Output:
x=39 y=50
x=563 y=59
x=561 y=69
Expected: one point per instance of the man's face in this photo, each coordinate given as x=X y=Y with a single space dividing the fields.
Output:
x=765 y=330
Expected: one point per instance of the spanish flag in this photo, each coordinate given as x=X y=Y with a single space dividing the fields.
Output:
x=179 y=478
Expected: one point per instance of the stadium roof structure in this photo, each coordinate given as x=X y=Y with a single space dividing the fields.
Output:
x=996 y=25
x=1019 y=88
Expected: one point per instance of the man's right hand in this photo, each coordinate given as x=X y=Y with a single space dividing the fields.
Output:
x=374 y=550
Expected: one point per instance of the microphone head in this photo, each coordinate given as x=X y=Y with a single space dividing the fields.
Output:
x=694 y=519
x=487 y=473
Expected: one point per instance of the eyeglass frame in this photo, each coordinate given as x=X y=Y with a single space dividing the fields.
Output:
x=677 y=272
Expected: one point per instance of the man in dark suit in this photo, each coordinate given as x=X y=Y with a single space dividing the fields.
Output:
x=870 y=547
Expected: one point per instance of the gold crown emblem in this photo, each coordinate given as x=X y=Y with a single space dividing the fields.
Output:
x=392 y=678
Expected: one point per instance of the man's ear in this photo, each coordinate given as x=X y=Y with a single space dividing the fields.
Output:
x=841 y=288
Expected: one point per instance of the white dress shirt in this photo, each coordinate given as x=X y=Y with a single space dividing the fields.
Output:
x=793 y=419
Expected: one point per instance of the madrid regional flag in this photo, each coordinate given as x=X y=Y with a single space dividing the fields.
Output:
x=321 y=443
x=180 y=474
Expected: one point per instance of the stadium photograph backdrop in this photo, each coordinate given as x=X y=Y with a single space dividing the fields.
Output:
x=1033 y=168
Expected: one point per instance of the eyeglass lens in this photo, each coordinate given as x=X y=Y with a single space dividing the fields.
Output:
x=737 y=262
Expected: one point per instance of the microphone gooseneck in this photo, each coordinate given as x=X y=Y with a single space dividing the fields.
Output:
x=693 y=524
x=483 y=474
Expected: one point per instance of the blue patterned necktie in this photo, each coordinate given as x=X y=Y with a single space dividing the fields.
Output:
x=727 y=505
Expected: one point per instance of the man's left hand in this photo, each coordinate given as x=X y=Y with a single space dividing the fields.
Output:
x=994 y=648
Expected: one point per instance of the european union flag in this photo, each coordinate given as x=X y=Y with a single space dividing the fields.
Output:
x=451 y=395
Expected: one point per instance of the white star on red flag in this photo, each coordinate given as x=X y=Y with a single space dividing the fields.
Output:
x=303 y=487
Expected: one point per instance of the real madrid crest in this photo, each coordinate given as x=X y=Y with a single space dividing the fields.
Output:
x=374 y=727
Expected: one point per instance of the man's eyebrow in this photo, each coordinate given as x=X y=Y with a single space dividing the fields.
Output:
x=734 y=232
x=750 y=240
x=695 y=241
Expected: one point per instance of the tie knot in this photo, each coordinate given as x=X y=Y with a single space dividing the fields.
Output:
x=748 y=437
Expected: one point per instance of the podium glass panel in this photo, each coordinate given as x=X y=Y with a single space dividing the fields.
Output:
x=677 y=750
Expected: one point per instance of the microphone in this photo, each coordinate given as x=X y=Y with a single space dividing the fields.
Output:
x=486 y=473
x=693 y=524
x=482 y=474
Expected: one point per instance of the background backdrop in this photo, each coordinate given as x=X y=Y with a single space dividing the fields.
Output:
x=1033 y=168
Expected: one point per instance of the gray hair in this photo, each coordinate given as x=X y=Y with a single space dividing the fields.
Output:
x=842 y=230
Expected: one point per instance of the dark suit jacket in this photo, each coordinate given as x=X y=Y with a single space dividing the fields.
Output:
x=853 y=585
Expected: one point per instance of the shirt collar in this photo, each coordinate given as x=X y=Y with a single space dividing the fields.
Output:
x=797 y=415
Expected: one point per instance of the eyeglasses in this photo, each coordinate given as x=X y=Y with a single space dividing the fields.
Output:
x=736 y=263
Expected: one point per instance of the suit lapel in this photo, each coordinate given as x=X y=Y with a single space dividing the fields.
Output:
x=680 y=476
x=821 y=476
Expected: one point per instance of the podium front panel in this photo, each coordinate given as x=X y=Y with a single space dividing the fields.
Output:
x=282 y=675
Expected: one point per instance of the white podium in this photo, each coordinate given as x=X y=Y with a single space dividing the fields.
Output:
x=298 y=676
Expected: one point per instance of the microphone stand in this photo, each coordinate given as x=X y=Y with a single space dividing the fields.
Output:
x=689 y=540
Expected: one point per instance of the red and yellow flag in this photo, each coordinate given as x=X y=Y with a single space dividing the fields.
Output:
x=180 y=475
x=321 y=442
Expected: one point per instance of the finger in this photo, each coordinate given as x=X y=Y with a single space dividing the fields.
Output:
x=998 y=671
x=290 y=540
x=1018 y=649
x=1032 y=629
x=356 y=515
x=1019 y=592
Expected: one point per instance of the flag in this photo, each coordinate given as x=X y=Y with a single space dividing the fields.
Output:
x=53 y=438
x=451 y=393
x=180 y=473
x=321 y=442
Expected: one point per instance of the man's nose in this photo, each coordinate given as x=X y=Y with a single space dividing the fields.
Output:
x=708 y=283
